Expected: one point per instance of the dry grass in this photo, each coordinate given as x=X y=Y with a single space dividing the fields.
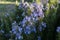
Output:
x=7 y=2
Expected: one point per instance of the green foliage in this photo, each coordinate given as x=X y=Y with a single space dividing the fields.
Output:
x=50 y=19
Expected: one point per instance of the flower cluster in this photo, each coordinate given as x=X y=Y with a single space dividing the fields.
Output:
x=17 y=30
x=32 y=13
x=42 y=26
x=58 y=29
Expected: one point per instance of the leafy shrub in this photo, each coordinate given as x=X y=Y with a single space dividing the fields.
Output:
x=32 y=21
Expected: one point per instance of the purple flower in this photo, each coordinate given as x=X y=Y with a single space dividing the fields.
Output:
x=33 y=29
x=43 y=24
x=58 y=29
x=31 y=23
x=18 y=36
x=14 y=27
x=33 y=19
x=23 y=22
x=34 y=4
x=14 y=31
x=39 y=38
x=29 y=19
x=1 y=31
x=35 y=14
x=20 y=29
x=26 y=4
x=20 y=6
x=27 y=30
